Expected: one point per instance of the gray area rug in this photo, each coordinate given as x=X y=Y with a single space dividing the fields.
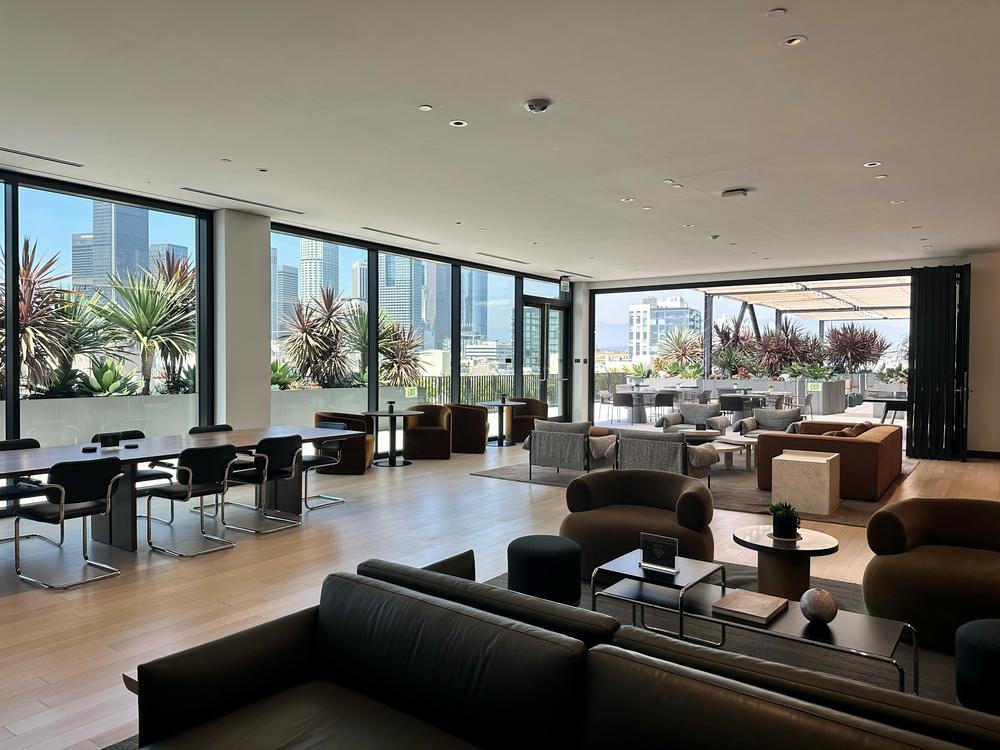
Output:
x=937 y=670
x=732 y=489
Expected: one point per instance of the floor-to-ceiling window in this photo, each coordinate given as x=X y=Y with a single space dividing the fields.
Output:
x=487 y=330
x=319 y=328
x=108 y=318
x=414 y=334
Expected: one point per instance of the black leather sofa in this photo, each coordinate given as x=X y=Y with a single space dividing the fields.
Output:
x=403 y=657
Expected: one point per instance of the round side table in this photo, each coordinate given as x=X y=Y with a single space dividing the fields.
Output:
x=391 y=462
x=500 y=406
x=783 y=566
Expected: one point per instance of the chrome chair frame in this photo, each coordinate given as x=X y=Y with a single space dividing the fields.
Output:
x=331 y=500
x=111 y=570
x=258 y=506
x=35 y=535
x=221 y=542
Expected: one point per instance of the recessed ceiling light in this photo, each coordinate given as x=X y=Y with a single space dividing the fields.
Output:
x=917 y=227
x=670 y=182
x=458 y=222
x=896 y=203
x=647 y=208
x=923 y=239
x=627 y=199
x=458 y=123
x=872 y=164
x=753 y=252
x=482 y=229
x=881 y=176
x=688 y=226
x=425 y=107
x=225 y=161
x=776 y=12
x=796 y=40
x=263 y=169
x=677 y=185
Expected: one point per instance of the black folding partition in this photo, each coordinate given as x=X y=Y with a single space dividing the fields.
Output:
x=937 y=413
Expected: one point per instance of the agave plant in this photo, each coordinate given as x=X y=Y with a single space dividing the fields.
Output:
x=283 y=375
x=63 y=383
x=147 y=311
x=178 y=378
x=727 y=338
x=85 y=334
x=681 y=348
x=851 y=348
x=729 y=361
x=401 y=364
x=108 y=378
x=315 y=345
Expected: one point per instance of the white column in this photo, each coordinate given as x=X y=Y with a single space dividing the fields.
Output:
x=984 y=353
x=242 y=318
x=580 y=384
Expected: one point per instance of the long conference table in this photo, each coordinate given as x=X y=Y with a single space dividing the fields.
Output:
x=119 y=527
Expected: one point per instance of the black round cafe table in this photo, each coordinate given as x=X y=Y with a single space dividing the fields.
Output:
x=500 y=441
x=391 y=462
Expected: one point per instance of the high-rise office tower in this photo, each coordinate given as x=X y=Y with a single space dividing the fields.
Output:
x=82 y=262
x=120 y=242
x=401 y=290
x=474 y=304
x=359 y=280
x=319 y=268
x=160 y=251
x=437 y=309
x=653 y=319
x=284 y=295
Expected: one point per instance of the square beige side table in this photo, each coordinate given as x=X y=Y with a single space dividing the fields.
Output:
x=809 y=480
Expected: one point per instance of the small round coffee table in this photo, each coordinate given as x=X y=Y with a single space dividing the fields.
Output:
x=500 y=441
x=783 y=566
x=391 y=414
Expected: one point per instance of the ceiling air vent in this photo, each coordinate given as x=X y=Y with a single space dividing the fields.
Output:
x=573 y=273
x=241 y=200
x=401 y=236
x=500 y=257
x=39 y=156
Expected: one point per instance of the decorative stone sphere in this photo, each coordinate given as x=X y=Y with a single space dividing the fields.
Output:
x=818 y=605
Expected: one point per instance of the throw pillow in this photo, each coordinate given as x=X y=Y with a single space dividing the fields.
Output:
x=601 y=447
x=860 y=428
x=601 y=431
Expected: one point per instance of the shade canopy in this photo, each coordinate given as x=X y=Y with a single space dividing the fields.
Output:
x=872 y=298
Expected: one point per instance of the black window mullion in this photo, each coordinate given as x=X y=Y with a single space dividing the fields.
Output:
x=518 y=335
x=205 y=316
x=373 y=274
x=12 y=353
x=456 y=333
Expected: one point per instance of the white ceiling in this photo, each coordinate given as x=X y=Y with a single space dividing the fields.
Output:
x=151 y=95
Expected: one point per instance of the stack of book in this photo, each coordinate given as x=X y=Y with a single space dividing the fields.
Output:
x=750 y=606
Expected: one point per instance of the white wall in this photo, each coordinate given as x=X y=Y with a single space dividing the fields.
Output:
x=63 y=421
x=984 y=353
x=242 y=318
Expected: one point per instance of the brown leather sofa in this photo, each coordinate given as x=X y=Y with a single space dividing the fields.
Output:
x=355 y=671
x=469 y=428
x=936 y=565
x=358 y=453
x=868 y=463
x=429 y=435
x=609 y=509
x=519 y=421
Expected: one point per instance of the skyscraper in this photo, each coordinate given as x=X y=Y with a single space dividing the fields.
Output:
x=284 y=295
x=82 y=262
x=319 y=268
x=401 y=290
x=474 y=307
x=120 y=242
x=160 y=251
x=650 y=321
x=437 y=309
x=359 y=280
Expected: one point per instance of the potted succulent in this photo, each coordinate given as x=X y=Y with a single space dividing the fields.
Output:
x=784 y=520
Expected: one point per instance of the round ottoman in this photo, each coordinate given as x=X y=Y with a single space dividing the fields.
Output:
x=977 y=663
x=545 y=566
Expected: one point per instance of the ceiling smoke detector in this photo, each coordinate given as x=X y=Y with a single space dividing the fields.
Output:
x=537 y=106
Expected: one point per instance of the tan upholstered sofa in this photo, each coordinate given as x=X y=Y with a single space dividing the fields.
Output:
x=869 y=462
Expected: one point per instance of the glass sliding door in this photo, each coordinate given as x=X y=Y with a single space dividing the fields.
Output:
x=545 y=375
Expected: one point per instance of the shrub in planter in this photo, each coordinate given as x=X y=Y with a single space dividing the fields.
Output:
x=784 y=520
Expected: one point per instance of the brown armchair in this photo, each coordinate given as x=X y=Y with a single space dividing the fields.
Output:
x=469 y=428
x=936 y=565
x=609 y=509
x=429 y=435
x=358 y=453
x=519 y=421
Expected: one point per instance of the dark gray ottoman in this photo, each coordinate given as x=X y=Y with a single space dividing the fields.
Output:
x=545 y=566
x=977 y=665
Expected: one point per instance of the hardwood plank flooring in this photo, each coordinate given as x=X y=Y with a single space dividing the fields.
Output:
x=62 y=653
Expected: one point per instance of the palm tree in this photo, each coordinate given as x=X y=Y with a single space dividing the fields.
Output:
x=680 y=348
x=85 y=336
x=148 y=311
x=43 y=326
x=401 y=366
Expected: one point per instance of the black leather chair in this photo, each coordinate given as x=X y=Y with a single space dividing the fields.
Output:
x=274 y=459
x=75 y=489
x=200 y=472
x=202 y=428
x=22 y=488
x=151 y=474
x=621 y=401
x=328 y=453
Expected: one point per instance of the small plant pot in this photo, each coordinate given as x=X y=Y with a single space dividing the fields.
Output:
x=784 y=527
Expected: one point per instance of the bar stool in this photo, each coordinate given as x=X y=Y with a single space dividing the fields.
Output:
x=274 y=459
x=75 y=489
x=204 y=471
x=332 y=458
x=23 y=488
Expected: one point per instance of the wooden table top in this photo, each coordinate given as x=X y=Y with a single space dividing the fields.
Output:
x=40 y=460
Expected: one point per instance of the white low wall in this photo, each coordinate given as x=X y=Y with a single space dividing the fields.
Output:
x=298 y=407
x=62 y=421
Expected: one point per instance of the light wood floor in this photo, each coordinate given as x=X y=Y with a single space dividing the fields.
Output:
x=62 y=654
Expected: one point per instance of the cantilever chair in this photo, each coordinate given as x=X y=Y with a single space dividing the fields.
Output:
x=141 y=475
x=204 y=471
x=333 y=453
x=75 y=489
x=276 y=459
x=240 y=464
x=23 y=488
